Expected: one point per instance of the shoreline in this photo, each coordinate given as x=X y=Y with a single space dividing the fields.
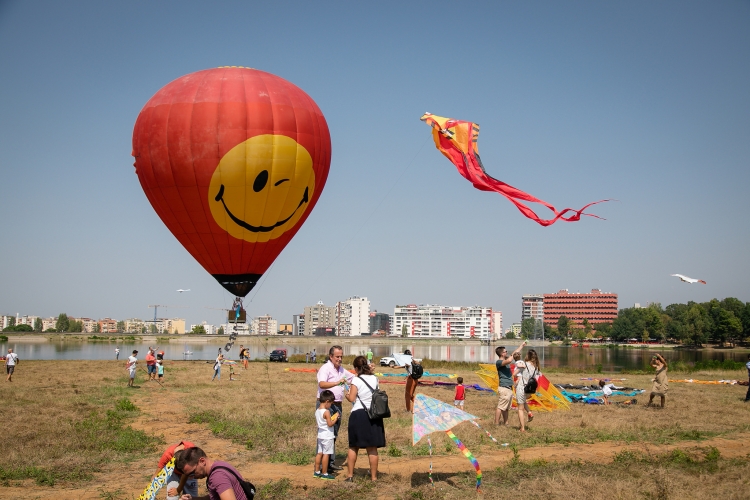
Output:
x=293 y=340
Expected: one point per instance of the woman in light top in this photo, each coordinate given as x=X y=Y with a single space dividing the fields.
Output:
x=363 y=432
x=524 y=371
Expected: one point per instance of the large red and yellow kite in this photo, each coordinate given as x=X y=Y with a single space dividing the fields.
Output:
x=457 y=140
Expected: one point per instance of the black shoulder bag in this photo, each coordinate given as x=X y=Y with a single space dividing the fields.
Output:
x=531 y=385
x=379 y=405
x=247 y=487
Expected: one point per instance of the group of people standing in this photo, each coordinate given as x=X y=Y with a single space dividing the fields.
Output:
x=334 y=384
x=154 y=365
x=524 y=370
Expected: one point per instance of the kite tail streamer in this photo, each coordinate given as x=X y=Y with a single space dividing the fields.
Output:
x=430 y=474
x=488 y=434
x=468 y=455
x=160 y=480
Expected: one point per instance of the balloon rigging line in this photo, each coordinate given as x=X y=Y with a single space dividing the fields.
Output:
x=367 y=219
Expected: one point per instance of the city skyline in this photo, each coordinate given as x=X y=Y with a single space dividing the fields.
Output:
x=641 y=103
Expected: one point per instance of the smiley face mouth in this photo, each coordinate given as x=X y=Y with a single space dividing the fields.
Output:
x=258 y=229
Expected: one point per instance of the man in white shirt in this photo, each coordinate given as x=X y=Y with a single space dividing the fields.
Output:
x=11 y=360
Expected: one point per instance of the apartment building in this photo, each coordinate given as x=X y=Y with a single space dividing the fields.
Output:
x=442 y=321
x=319 y=315
x=264 y=325
x=353 y=316
x=380 y=322
x=532 y=306
x=595 y=306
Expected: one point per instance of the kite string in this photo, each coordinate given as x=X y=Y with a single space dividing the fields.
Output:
x=478 y=427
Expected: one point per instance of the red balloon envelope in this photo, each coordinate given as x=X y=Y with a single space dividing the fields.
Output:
x=233 y=160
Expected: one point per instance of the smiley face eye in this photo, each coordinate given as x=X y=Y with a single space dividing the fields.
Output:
x=260 y=181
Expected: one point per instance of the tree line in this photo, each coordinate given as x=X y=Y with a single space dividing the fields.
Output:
x=721 y=322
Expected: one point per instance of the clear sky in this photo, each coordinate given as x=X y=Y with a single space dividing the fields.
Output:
x=647 y=103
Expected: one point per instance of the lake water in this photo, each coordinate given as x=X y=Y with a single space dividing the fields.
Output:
x=611 y=359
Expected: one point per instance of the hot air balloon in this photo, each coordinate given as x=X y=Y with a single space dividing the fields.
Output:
x=233 y=160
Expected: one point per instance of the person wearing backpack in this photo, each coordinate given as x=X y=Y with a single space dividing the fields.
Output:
x=223 y=481
x=526 y=371
x=364 y=431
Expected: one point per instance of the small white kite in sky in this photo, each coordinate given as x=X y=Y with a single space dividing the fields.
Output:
x=181 y=290
x=688 y=280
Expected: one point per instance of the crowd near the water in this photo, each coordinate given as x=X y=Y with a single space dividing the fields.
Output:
x=364 y=431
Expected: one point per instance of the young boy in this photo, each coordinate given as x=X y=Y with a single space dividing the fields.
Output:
x=231 y=372
x=458 y=400
x=160 y=366
x=131 y=365
x=325 y=435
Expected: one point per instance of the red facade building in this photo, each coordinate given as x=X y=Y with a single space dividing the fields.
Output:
x=596 y=307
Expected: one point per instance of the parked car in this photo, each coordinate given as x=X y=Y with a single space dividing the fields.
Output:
x=395 y=360
x=278 y=355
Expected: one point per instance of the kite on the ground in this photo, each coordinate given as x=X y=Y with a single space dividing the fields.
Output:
x=432 y=415
x=457 y=140
x=688 y=280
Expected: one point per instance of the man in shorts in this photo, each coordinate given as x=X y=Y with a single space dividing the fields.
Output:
x=11 y=360
x=505 y=389
x=151 y=364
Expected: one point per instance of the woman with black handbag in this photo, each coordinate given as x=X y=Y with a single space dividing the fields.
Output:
x=525 y=371
x=364 y=432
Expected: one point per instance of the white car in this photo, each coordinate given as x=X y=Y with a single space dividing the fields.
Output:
x=395 y=360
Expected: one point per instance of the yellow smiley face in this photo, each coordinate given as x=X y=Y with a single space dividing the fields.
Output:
x=262 y=187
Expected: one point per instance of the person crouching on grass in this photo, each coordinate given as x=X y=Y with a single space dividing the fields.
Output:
x=458 y=399
x=325 y=434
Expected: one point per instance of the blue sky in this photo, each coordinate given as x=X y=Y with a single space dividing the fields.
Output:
x=646 y=103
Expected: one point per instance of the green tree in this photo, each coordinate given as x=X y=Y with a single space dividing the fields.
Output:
x=404 y=331
x=220 y=331
x=152 y=328
x=527 y=328
x=97 y=327
x=510 y=335
x=645 y=335
x=587 y=329
x=75 y=326
x=120 y=326
x=63 y=323
x=22 y=328
x=727 y=327
x=38 y=325
x=603 y=329
x=198 y=330
x=563 y=326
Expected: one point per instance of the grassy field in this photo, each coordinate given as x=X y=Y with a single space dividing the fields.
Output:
x=70 y=423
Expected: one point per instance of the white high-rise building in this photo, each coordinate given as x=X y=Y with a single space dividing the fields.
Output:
x=442 y=321
x=497 y=324
x=264 y=325
x=353 y=316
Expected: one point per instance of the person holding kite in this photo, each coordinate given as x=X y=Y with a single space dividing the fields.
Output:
x=661 y=384
x=505 y=389
x=364 y=432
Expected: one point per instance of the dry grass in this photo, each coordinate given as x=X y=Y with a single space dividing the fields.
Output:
x=64 y=419
x=63 y=423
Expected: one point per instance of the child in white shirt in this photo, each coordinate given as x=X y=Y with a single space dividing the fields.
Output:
x=325 y=435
